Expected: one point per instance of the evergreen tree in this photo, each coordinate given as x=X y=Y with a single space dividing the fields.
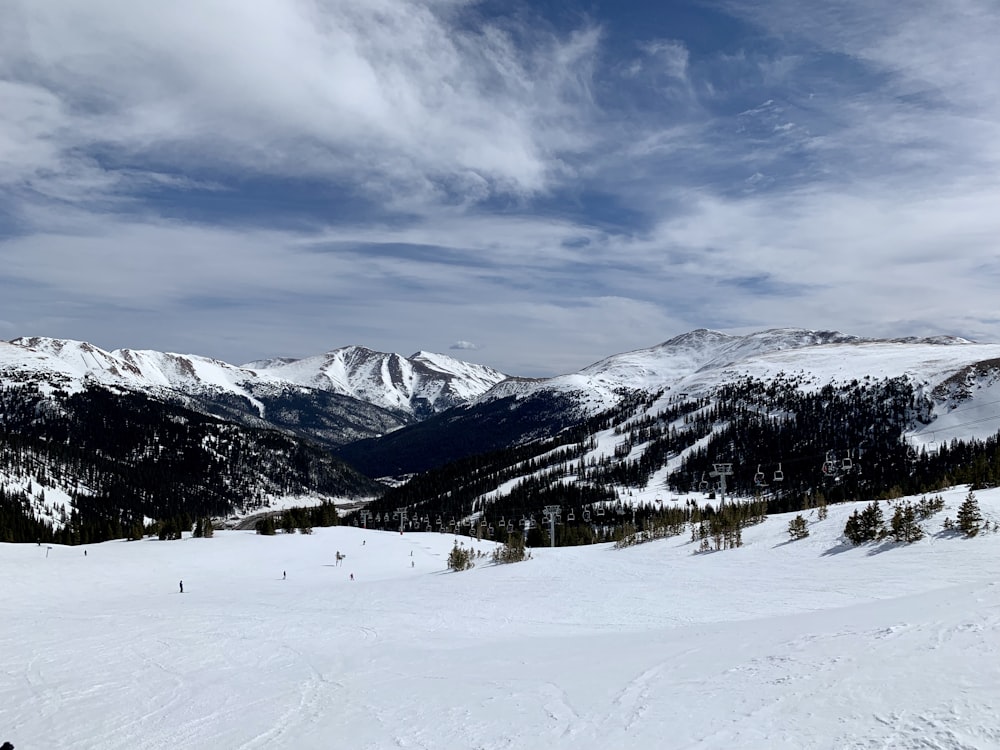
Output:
x=969 y=516
x=904 y=527
x=865 y=526
x=460 y=558
x=512 y=551
x=798 y=528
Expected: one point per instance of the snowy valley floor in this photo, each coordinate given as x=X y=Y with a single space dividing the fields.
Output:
x=806 y=644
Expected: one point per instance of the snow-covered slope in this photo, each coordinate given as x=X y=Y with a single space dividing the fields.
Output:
x=777 y=645
x=698 y=362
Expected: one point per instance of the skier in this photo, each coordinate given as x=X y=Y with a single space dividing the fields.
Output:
x=182 y=586
x=284 y=575
x=352 y=576
x=6 y=746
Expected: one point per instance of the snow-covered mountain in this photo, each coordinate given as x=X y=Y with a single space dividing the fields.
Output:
x=422 y=384
x=370 y=392
x=698 y=362
x=632 y=424
x=955 y=381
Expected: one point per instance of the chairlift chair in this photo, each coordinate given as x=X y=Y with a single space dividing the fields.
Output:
x=490 y=531
x=779 y=475
x=571 y=516
x=759 y=479
x=847 y=464
x=586 y=516
x=830 y=464
x=600 y=510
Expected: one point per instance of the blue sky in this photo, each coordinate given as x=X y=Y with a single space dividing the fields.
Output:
x=533 y=186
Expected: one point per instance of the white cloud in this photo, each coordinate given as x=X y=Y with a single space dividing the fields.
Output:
x=466 y=345
x=396 y=91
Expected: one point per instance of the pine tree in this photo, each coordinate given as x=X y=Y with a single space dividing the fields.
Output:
x=969 y=516
x=865 y=526
x=904 y=527
x=459 y=558
x=207 y=529
x=512 y=551
x=798 y=528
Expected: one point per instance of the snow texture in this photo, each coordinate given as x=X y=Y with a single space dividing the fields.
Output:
x=778 y=644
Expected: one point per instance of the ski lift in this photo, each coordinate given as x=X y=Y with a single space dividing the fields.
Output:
x=586 y=516
x=438 y=522
x=600 y=510
x=759 y=479
x=510 y=526
x=571 y=516
x=847 y=464
x=428 y=528
x=830 y=464
x=703 y=485
x=779 y=475
x=378 y=518
x=490 y=531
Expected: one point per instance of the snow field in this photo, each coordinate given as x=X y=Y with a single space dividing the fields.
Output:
x=778 y=644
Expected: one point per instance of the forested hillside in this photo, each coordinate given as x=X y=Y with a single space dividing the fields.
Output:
x=774 y=441
x=93 y=465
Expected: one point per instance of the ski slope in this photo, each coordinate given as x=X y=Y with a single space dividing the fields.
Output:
x=778 y=644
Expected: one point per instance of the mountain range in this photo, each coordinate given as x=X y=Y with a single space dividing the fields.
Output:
x=389 y=415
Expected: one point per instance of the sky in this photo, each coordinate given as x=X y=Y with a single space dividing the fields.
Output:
x=529 y=185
